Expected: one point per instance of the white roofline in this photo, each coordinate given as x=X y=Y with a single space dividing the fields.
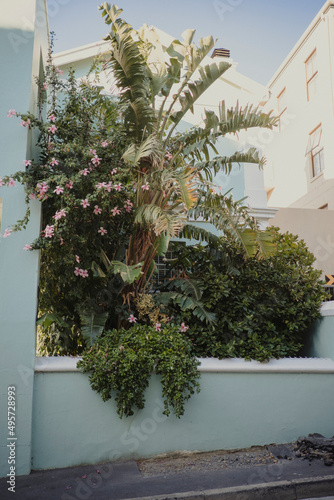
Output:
x=82 y=52
x=302 y=40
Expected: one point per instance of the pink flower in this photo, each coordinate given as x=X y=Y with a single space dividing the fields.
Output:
x=169 y=156
x=132 y=319
x=27 y=163
x=128 y=206
x=113 y=171
x=97 y=210
x=52 y=129
x=11 y=182
x=54 y=162
x=32 y=196
x=27 y=247
x=2 y=183
x=104 y=144
x=59 y=190
x=48 y=231
x=52 y=118
x=43 y=188
x=102 y=231
x=59 y=214
x=146 y=187
x=118 y=187
x=115 y=211
x=85 y=203
x=92 y=151
x=60 y=71
x=11 y=113
x=62 y=242
x=158 y=327
x=77 y=258
x=184 y=328
x=108 y=186
x=84 y=172
x=7 y=233
x=45 y=85
x=81 y=272
x=77 y=271
x=84 y=477
x=96 y=160
x=100 y=185
x=24 y=123
x=69 y=185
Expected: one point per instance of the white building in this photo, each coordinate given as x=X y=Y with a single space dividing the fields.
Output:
x=300 y=167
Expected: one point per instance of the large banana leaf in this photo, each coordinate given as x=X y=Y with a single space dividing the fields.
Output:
x=92 y=324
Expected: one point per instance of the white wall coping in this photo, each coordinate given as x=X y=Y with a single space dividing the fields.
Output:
x=327 y=308
x=232 y=365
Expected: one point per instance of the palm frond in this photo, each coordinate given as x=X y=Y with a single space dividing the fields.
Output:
x=225 y=163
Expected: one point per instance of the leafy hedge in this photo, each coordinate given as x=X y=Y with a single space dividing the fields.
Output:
x=262 y=306
x=122 y=361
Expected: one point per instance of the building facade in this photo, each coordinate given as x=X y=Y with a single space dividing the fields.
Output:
x=300 y=153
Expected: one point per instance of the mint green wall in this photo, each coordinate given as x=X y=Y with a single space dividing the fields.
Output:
x=319 y=340
x=23 y=35
x=72 y=425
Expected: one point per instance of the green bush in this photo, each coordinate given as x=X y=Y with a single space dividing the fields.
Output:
x=122 y=361
x=262 y=306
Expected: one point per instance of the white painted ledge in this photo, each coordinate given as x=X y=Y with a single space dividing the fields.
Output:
x=327 y=308
x=213 y=365
x=56 y=364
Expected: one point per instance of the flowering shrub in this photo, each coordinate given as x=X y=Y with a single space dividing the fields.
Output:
x=87 y=199
x=122 y=361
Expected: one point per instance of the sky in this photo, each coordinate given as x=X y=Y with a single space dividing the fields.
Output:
x=259 y=33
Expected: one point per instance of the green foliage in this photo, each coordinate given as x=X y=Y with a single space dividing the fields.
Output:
x=262 y=306
x=123 y=361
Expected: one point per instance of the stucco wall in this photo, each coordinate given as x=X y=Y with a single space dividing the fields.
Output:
x=23 y=42
x=240 y=404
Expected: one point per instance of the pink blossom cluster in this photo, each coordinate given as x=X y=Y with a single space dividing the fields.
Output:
x=43 y=189
x=59 y=214
x=25 y=123
x=105 y=185
x=49 y=231
x=81 y=272
x=128 y=206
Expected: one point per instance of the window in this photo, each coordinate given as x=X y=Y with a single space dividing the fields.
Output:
x=316 y=150
x=311 y=69
x=282 y=107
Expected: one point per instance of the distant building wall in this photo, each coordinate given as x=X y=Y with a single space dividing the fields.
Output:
x=315 y=227
x=300 y=167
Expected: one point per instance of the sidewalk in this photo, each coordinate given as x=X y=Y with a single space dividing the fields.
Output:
x=284 y=480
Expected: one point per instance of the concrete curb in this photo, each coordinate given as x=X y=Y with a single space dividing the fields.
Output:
x=281 y=490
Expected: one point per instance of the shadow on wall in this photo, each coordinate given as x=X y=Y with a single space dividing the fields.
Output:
x=316 y=228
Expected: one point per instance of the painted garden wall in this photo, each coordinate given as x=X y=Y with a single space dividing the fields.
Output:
x=23 y=46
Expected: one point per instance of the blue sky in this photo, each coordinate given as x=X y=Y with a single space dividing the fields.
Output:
x=259 y=33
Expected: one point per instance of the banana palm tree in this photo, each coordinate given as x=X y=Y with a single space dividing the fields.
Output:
x=173 y=170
